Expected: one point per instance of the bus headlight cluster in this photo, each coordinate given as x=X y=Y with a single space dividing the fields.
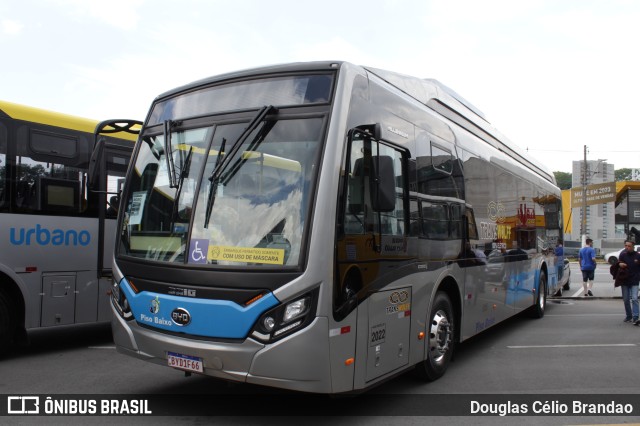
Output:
x=120 y=302
x=286 y=318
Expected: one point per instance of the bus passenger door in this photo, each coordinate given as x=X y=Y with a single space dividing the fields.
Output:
x=117 y=163
x=117 y=160
x=388 y=332
x=108 y=166
x=372 y=247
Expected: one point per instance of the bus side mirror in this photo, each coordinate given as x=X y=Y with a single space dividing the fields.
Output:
x=94 y=164
x=383 y=184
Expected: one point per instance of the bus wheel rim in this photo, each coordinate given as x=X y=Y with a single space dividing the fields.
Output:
x=439 y=336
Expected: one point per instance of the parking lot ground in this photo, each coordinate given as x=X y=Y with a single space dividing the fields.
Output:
x=602 y=285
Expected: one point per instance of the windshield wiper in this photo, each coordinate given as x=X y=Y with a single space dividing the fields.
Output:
x=214 y=186
x=222 y=163
x=183 y=174
x=221 y=153
x=171 y=167
x=255 y=122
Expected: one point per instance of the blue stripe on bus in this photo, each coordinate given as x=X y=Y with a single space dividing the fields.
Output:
x=208 y=318
x=521 y=285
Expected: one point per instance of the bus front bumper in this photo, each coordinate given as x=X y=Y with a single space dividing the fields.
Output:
x=298 y=362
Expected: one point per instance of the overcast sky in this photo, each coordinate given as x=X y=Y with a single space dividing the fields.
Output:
x=553 y=76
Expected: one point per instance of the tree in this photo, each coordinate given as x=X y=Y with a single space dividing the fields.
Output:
x=563 y=179
x=623 y=174
x=29 y=173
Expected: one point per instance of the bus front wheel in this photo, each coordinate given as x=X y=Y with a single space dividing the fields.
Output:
x=440 y=339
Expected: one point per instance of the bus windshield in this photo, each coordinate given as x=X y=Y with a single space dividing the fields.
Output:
x=226 y=205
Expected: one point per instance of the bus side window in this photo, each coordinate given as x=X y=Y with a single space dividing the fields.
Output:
x=392 y=221
x=456 y=222
x=112 y=208
x=439 y=172
x=117 y=163
x=48 y=188
x=50 y=172
x=368 y=158
x=24 y=194
x=355 y=210
x=414 y=218
x=58 y=195
x=435 y=220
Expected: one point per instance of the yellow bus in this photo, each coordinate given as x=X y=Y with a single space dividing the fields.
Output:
x=54 y=228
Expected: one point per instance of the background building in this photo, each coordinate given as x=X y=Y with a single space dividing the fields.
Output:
x=607 y=223
x=600 y=218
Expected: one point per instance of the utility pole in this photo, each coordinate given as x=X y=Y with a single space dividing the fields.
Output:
x=583 y=227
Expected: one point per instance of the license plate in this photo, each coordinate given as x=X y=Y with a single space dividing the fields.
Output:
x=184 y=362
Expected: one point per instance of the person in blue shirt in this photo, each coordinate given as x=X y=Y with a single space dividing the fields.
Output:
x=587 y=256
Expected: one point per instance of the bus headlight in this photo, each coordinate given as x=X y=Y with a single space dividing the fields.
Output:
x=269 y=323
x=295 y=309
x=286 y=318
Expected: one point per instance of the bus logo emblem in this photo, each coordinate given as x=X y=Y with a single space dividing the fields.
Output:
x=398 y=297
x=155 y=306
x=180 y=316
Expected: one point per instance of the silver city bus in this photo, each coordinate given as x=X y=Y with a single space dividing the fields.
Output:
x=56 y=233
x=323 y=226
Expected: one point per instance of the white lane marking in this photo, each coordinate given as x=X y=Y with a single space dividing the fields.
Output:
x=582 y=315
x=579 y=292
x=575 y=346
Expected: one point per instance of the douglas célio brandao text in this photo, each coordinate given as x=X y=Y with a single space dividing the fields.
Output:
x=550 y=407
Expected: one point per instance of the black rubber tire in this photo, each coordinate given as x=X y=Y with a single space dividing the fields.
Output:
x=537 y=311
x=440 y=335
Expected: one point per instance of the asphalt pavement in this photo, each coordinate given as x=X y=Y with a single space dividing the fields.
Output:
x=602 y=284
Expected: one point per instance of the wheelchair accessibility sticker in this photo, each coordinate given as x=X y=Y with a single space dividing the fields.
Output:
x=198 y=249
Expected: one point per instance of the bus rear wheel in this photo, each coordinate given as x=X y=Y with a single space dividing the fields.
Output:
x=440 y=339
x=7 y=322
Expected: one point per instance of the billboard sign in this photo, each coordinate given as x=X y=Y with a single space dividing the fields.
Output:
x=598 y=193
